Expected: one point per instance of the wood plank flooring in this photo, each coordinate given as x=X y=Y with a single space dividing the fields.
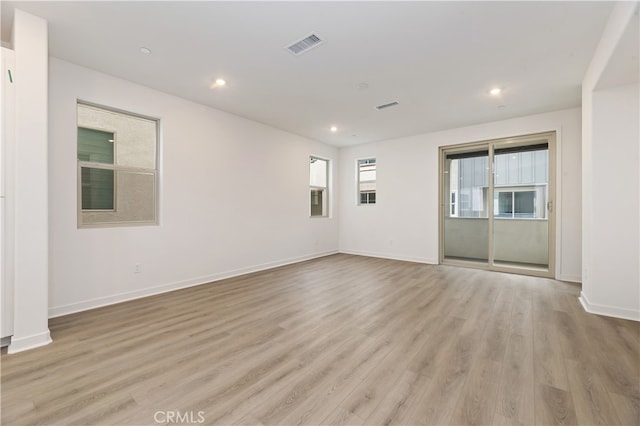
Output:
x=337 y=340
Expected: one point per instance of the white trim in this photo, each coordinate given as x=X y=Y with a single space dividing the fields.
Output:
x=29 y=342
x=569 y=278
x=609 y=311
x=428 y=261
x=57 y=311
x=557 y=207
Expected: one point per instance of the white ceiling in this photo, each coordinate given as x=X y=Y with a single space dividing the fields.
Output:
x=437 y=59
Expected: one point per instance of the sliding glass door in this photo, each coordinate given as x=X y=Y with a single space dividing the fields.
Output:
x=497 y=205
x=466 y=223
x=521 y=203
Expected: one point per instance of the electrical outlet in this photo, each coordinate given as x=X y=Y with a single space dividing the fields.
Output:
x=137 y=269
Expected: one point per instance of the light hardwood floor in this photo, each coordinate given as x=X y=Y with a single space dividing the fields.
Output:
x=337 y=340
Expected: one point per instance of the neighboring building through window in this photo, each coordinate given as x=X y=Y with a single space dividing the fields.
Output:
x=520 y=184
x=519 y=203
x=367 y=181
x=319 y=186
x=117 y=167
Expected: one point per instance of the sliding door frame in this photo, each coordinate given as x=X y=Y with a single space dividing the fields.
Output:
x=489 y=145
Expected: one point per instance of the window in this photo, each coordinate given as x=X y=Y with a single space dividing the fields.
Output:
x=367 y=181
x=117 y=170
x=520 y=182
x=519 y=204
x=318 y=184
x=467 y=184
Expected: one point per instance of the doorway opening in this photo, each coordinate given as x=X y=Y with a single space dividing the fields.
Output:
x=496 y=205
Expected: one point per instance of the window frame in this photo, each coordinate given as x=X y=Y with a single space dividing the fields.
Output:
x=155 y=172
x=324 y=189
x=359 y=181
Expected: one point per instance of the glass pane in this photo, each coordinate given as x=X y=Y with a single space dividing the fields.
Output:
x=318 y=172
x=466 y=206
x=95 y=145
x=505 y=204
x=97 y=189
x=135 y=136
x=520 y=228
x=524 y=202
x=135 y=200
x=318 y=202
x=367 y=175
x=137 y=142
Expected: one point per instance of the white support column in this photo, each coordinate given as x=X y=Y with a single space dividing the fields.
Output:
x=31 y=228
x=610 y=227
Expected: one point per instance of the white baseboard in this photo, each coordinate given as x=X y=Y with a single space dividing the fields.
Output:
x=57 y=311
x=19 y=344
x=609 y=311
x=391 y=256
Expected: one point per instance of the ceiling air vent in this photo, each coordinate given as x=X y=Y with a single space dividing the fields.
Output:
x=306 y=44
x=385 y=106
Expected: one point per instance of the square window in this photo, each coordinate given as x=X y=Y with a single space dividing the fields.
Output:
x=117 y=172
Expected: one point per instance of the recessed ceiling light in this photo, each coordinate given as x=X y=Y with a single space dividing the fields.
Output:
x=334 y=129
x=218 y=83
x=145 y=50
x=495 y=91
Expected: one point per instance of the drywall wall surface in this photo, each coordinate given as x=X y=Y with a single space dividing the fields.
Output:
x=403 y=223
x=233 y=198
x=613 y=284
x=29 y=181
x=610 y=155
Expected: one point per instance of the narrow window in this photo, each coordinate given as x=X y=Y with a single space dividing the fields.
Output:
x=318 y=185
x=367 y=181
x=117 y=169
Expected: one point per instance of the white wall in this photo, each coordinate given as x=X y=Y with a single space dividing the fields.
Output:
x=612 y=286
x=234 y=198
x=29 y=181
x=404 y=222
x=610 y=222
